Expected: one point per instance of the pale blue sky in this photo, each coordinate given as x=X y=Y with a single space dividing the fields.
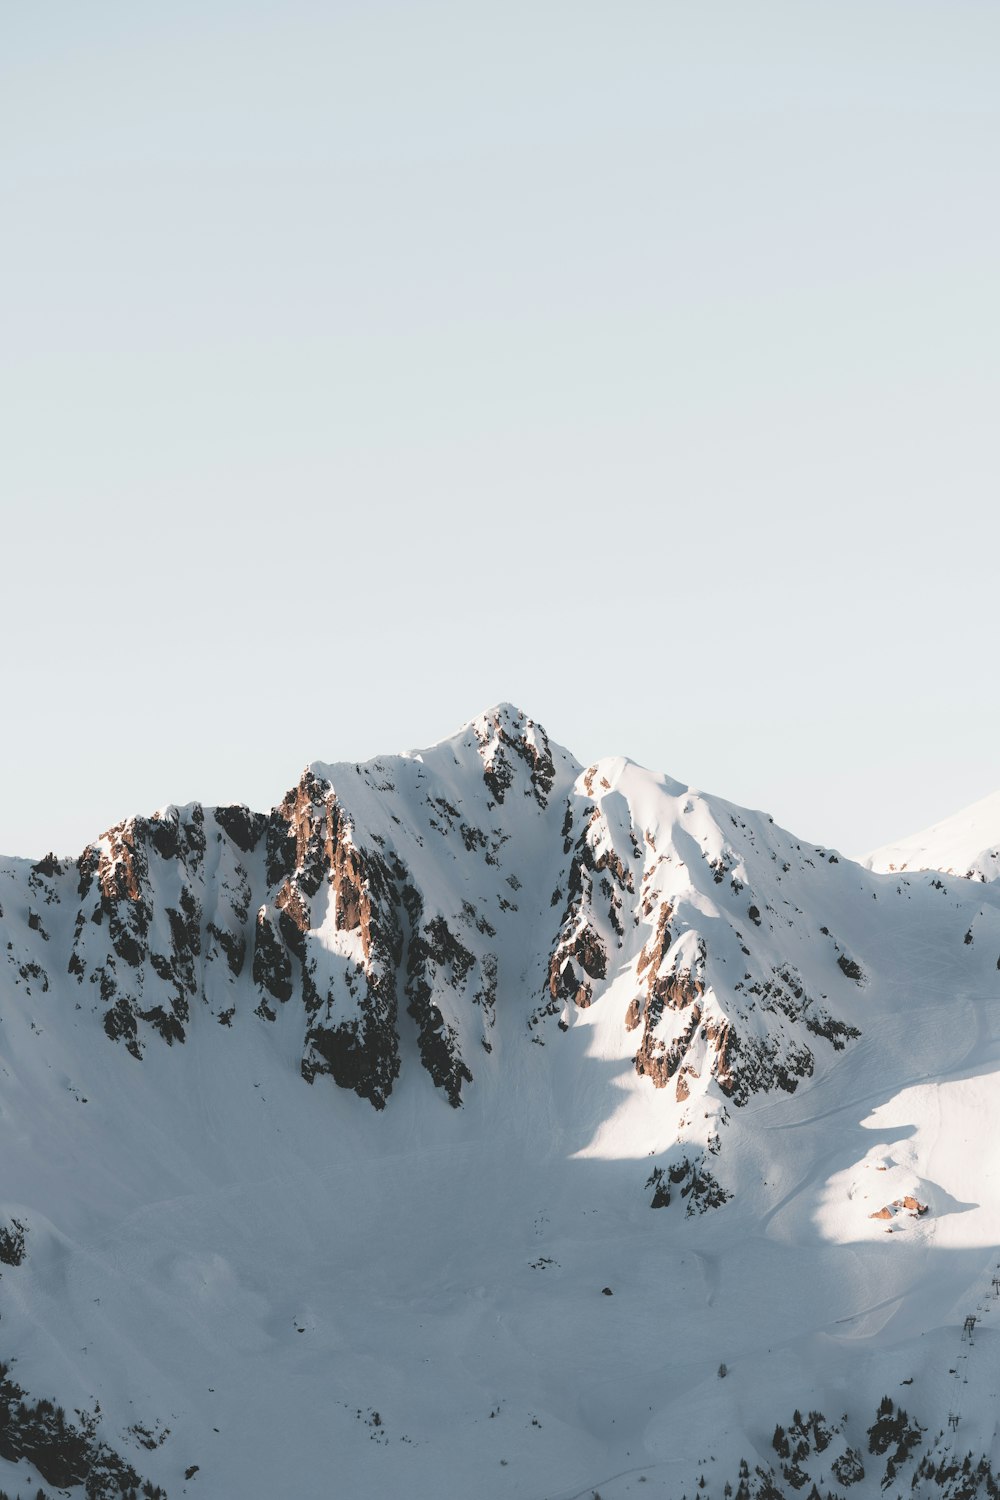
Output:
x=362 y=364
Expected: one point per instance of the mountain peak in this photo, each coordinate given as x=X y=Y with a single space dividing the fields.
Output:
x=967 y=843
x=510 y=743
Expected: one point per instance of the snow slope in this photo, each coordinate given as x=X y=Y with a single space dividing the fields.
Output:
x=966 y=844
x=331 y=1129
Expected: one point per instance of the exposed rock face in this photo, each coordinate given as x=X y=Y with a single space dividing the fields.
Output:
x=907 y=1204
x=347 y=983
x=143 y=956
x=687 y=1180
x=598 y=884
x=64 y=1453
x=434 y=956
x=170 y=912
x=665 y=987
x=243 y=826
x=696 y=1018
x=505 y=736
x=272 y=964
x=12 y=1249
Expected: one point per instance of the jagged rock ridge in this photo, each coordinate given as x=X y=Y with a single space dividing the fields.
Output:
x=395 y=887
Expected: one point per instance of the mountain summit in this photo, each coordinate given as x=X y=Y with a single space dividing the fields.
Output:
x=968 y=843
x=328 y=1126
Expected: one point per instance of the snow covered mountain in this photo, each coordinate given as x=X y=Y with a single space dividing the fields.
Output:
x=478 y=1123
x=967 y=844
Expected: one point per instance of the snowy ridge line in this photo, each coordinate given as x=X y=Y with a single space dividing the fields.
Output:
x=966 y=844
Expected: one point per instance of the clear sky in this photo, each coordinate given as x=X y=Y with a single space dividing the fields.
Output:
x=362 y=364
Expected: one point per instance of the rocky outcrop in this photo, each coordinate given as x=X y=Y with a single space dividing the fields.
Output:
x=510 y=743
x=851 y=968
x=599 y=884
x=244 y=827
x=140 y=924
x=907 y=1204
x=659 y=1060
x=690 y=1181
x=436 y=957
x=65 y=1453
x=272 y=965
x=667 y=985
x=12 y=1248
x=745 y=1064
x=352 y=1003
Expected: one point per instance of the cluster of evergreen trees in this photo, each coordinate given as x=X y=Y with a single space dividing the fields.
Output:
x=960 y=1480
x=892 y=1429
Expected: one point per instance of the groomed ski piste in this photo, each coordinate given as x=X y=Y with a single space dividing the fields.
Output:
x=481 y=1124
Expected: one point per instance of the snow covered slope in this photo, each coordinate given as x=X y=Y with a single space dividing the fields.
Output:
x=479 y=1123
x=966 y=844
